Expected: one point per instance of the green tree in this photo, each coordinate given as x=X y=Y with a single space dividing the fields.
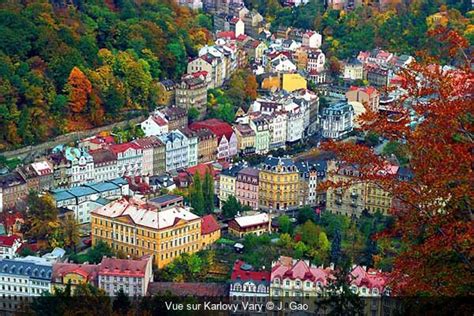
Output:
x=231 y=207
x=336 y=248
x=197 y=196
x=305 y=214
x=121 y=304
x=208 y=192
x=300 y=249
x=285 y=224
x=193 y=114
x=309 y=232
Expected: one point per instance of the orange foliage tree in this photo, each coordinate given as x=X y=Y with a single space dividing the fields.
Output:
x=251 y=87
x=433 y=212
x=79 y=89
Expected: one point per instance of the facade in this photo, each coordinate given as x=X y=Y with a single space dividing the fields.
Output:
x=73 y=274
x=297 y=278
x=226 y=138
x=105 y=164
x=246 y=187
x=176 y=116
x=308 y=184
x=207 y=145
x=9 y=246
x=13 y=190
x=138 y=228
x=245 y=139
x=130 y=276
x=148 y=146
x=278 y=184
x=21 y=278
x=316 y=61
x=261 y=127
x=337 y=120
x=257 y=224
x=212 y=66
x=192 y=92
x=176 y=150
x=248 y=285
x=353 y=70
x=227 y=179
x=38 y=175
x=312 y=39
x=210 y=231
x=295 y=125
x=192 y=146
x=129 y=159
x=278 y=129
x=378 y=76
x=159 y=157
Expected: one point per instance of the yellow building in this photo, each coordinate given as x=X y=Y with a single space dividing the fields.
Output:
x=278 y=184
x=74 y=274
x=354 y=196
x=270 y=82
x=137 y=228
x=210 y=231
x=245 y=138
x=300 y=58
x=227 y=180
x=292 y=82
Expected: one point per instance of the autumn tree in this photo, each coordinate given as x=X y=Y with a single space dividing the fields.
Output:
x=433 y=211
x=79 y=88
x=251 y=87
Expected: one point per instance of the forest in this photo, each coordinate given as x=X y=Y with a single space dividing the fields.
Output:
x=67 y=67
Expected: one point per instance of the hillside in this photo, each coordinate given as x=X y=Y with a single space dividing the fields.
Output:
x=66 y=67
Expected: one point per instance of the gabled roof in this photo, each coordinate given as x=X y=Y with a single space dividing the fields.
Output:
x=218 y=127
x=123 y=267
x=120 y=148
x=245 y=272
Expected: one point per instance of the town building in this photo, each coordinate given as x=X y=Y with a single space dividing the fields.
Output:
x=21 y=278
x=130 y=276
x=167 y=90
x=308 y=184
x=166 y=201
x=192 y=145
x=278 y=184
x=246 y=187
x=210 y=64
x=350 y=199
x=138 y=228
x=192 y=4
x=73 y=274
x=282 y=63
x=269 y=81
x=297 y=278
x=177 y=117
x=378 y=76
x=312 y=39
x=13 y=190
x=255 y=49
x=148 y=145
x=353 y=70
x=105 y=164
x=257 y=224
x=9 y=246
x=292 y=82
x=129 y=159
x=253 y=23
x=210 y=230
x=226 y=138
x=337 y=120
x=366 y=95
x=261 y=127
x=207 y=145
x=278 y=129
x=245 y=139
x=86 y=198
x=248 y=285
x=38 y=175
x=192 y=92
x=227 y=179
x=316 y=61
x=154 y=125
x=176 y=150
x=79 y=165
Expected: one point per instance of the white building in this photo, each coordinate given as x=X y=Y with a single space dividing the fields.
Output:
x=148 y=145
x=353 y=70
x=177 y=151
x=154 y=125
x=312 y=39
x=130 y=276
x=9 y=246
x=337 y=120
x=21 y=278
x=86 y=198
x=192 y=146
x=105 y=164
x=316 y=61
x=129 y=159
x=295 y=126
x=278 y=129
x=281 y=63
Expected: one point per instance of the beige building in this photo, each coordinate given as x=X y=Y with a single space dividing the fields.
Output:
x=245 y=139
x=365 y=95
x=192 y=92
x=257 y=224
x=207 y=145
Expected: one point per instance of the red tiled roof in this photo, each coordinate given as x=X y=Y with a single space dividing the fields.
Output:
x=226 y=34
x=369 y=90
x=202 y=168
x=209 y=225
x=88 y=271
x=119 y=148
x=8 y=241
x=370 y=279
x=218 y=127
x=244 y=275
x=123 y=267
x=159 y=120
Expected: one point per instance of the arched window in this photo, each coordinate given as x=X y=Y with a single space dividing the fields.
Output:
x=354 y=289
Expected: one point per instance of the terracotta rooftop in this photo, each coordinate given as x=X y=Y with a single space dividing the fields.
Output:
x=209 y=225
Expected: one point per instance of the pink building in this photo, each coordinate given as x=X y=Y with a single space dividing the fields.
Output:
x=246 y=187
